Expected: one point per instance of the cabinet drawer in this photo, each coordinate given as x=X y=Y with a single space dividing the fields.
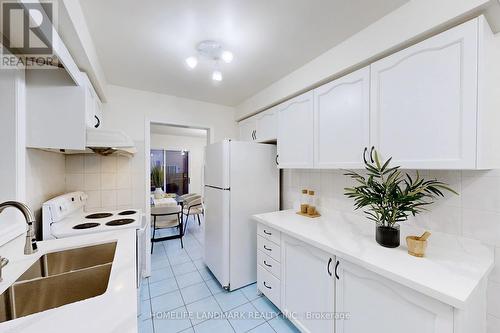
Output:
x=269 y=263
x=268 y=285
x=269 y=233
x=269 y=248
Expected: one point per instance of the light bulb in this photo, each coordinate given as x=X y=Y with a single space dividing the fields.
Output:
x=217 y=75
x=192 y=62
x=227 y=56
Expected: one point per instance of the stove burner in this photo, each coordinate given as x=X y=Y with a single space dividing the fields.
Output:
x=98 y=215
x=127 y=212
x=86 y=225
x=120 y=222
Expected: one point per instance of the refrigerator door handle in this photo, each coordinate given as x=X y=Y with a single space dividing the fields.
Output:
x=219 y=188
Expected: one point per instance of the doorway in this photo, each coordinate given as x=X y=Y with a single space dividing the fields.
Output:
x=178 y=154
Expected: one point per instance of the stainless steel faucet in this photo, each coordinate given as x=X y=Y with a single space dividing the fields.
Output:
x=30 y=246
x=3 y=262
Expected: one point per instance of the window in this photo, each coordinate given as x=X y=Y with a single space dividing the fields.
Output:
x=175 y=165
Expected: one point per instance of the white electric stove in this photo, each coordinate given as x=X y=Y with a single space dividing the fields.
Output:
x=65 y=216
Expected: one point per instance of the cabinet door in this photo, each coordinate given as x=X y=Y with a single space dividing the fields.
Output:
x=424 y=102
x=247 y=129
x=266 y=125
x=376 y=304
x=307 y=286
x=295 y=132
x=341 y=121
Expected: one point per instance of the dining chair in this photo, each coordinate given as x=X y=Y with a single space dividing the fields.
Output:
x=172 y=219
x=193 y=207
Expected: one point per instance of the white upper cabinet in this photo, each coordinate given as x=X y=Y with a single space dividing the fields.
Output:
x=377 y=304
x=247 y=129
x=93 y=105
x=266 y=125
x=424 y=101
x=341 y=121
x=58 y=112
x=307 y=285
x=295 y=132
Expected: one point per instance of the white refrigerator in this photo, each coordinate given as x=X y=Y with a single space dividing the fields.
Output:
x=241 y=179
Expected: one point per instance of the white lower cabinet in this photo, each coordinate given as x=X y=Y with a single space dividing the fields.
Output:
x=307 y=286
x=377 y=304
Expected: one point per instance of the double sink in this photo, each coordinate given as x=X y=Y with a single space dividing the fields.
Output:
x=57 y=279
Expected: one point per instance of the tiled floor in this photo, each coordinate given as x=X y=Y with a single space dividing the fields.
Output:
x=183 y=296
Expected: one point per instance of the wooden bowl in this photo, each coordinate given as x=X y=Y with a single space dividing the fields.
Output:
x=416 y=246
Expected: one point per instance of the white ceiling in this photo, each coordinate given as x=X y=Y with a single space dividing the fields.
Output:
x=177 y=131
x=143 y=44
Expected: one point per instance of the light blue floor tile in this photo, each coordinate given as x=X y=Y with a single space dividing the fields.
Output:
x=282 y=325
x=166 y=302
x=267 y=309
x=189 y=330
x=161 y=274
x=175 y=251
x=195 y=253
x=145 y=326
x=214 y=286
x=199 y=263
x=145 y=311
x=162 y=287
x=244 y=318
x=159 y=264
x=204 y=309
x=189 y=279
x=230 y=300
x=195 y=292
x=205 y=273
x=179 y=259
x=173 y=321
x=264 y=328
x=145 y=290
x=250 y=291
x=214 y=326
x=184 y=268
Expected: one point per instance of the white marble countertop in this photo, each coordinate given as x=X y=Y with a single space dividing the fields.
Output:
x=450 y=272
x=113 y=311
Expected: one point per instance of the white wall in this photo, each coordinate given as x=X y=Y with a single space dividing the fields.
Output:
x=44 y=179
x=414 y=20
x=12 y=145
x=195 y=146
x=475 y=213
x=128 y=109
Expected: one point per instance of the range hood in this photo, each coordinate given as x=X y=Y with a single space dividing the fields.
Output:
x=106 y=142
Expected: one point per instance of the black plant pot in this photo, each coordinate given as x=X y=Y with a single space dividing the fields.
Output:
x=387 y=236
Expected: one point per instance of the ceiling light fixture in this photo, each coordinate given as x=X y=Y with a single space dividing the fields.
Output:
x=213 y=52
x=192 y=62
x=217 y=75
x=227 y=56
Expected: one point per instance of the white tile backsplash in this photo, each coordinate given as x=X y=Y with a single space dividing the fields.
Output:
x=475 y=213
x=108 y=181
x=92 y=181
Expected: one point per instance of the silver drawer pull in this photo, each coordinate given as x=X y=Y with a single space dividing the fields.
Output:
x=265 y=247
x=265 y=263
x=267 y=232
x=265 y=285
